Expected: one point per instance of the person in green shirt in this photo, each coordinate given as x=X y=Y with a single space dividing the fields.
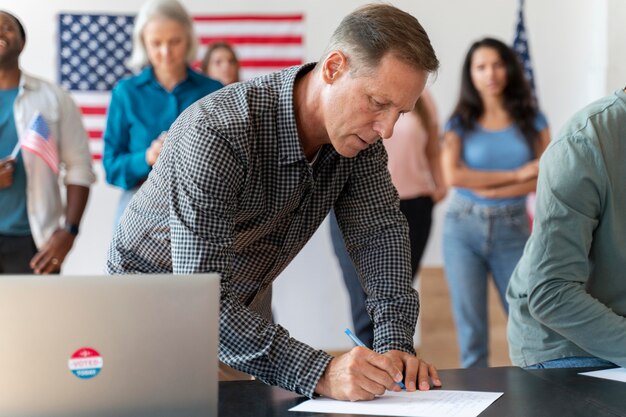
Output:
x=567 y=296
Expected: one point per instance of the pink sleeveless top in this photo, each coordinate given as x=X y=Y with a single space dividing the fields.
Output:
x=408 y=165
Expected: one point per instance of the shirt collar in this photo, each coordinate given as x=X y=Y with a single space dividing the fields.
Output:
x=289 y=147
x=27 y=82
x=147 y=76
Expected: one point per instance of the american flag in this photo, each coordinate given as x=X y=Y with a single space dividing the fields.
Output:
x=39 y=141
x=520 y=45
x=93 y=50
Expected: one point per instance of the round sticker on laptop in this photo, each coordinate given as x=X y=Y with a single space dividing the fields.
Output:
x=85 y=363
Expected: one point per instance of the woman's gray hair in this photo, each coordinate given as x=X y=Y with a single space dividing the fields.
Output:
x=167 y=9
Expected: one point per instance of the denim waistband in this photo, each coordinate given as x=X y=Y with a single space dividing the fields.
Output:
x=463 y=205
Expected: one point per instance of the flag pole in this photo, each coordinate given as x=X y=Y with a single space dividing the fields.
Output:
x=16 y=150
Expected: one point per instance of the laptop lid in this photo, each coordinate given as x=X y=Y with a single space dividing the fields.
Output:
x=96 y=346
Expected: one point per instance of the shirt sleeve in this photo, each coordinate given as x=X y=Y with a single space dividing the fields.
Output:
x=204 y=195
x=74 y=144
x=571 y=193
x=123 y=168
x=454 y=125
x=377 y=237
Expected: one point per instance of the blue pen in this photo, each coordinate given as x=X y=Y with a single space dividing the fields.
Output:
x=359 y=343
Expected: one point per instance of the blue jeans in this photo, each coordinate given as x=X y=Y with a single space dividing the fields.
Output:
x=478 y=240
x=572 y=362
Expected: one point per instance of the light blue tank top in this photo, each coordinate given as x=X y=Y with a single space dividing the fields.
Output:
x=493 y=150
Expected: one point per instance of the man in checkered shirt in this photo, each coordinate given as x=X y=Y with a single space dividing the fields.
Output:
x=247 y=175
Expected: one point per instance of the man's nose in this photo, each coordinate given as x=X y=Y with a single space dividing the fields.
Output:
x=384 y=126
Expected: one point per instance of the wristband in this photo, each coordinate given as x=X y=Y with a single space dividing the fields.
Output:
x=70 y=228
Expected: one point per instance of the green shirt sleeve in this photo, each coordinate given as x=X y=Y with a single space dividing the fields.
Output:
x=572 y=195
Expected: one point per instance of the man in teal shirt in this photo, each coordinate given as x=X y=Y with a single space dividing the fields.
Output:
x=567 y=295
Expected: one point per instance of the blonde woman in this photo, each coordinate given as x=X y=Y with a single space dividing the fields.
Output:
x=144 y=106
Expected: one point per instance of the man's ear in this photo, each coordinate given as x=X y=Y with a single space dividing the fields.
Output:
x=335 y=64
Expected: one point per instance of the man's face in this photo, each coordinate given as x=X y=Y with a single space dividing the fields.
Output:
x=11 y=42
x=358 y=111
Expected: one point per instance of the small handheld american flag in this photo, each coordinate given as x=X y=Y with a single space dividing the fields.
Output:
x=40 y=142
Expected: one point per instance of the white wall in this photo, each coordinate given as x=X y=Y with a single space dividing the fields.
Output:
x=616 y=39
x=577 y=51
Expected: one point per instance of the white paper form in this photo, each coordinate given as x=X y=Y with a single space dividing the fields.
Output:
x=433 y=403
x=615 y=374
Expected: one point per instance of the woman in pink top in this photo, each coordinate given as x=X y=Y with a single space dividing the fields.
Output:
x=415 y=170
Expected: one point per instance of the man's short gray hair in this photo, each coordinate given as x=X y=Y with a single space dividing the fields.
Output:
x=167 y=9
x=373 y=30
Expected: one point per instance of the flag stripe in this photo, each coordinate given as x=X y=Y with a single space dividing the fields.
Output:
x=89 y=110
x=248 y=18
x=263 y=51
x=43 y=152
x=252 y=40
x=269 y=63
x=249 y=29
x=40 y=153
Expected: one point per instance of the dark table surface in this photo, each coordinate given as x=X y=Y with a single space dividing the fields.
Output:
x=537 y=393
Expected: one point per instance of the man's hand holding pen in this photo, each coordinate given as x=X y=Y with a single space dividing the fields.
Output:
x=362 y=374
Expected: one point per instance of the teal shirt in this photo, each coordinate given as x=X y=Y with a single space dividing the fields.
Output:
x=567 y=296
x=13 y=213
x=140 y=110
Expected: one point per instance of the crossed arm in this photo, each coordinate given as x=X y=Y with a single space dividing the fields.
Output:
x=490 y=184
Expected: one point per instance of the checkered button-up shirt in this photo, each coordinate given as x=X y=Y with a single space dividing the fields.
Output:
x=233 y=193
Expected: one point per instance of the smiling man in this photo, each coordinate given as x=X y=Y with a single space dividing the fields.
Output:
x=248 y=174
x=38 y=224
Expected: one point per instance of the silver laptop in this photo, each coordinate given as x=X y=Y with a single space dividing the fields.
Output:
x=109 y=346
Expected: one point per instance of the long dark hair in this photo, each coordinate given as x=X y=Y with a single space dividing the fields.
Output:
x=518 y=99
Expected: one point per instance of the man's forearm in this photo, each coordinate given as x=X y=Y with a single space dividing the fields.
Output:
x=77 y=196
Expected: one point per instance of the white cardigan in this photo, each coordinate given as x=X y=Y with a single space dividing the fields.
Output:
x=43 y=189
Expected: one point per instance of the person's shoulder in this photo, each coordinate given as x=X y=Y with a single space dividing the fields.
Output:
x=205 y=83
x=228 y=110
x=454 y=124
x=132 y=82
x=583 y=132
x=599 y=114
x=247 y=100
x=41 y=85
